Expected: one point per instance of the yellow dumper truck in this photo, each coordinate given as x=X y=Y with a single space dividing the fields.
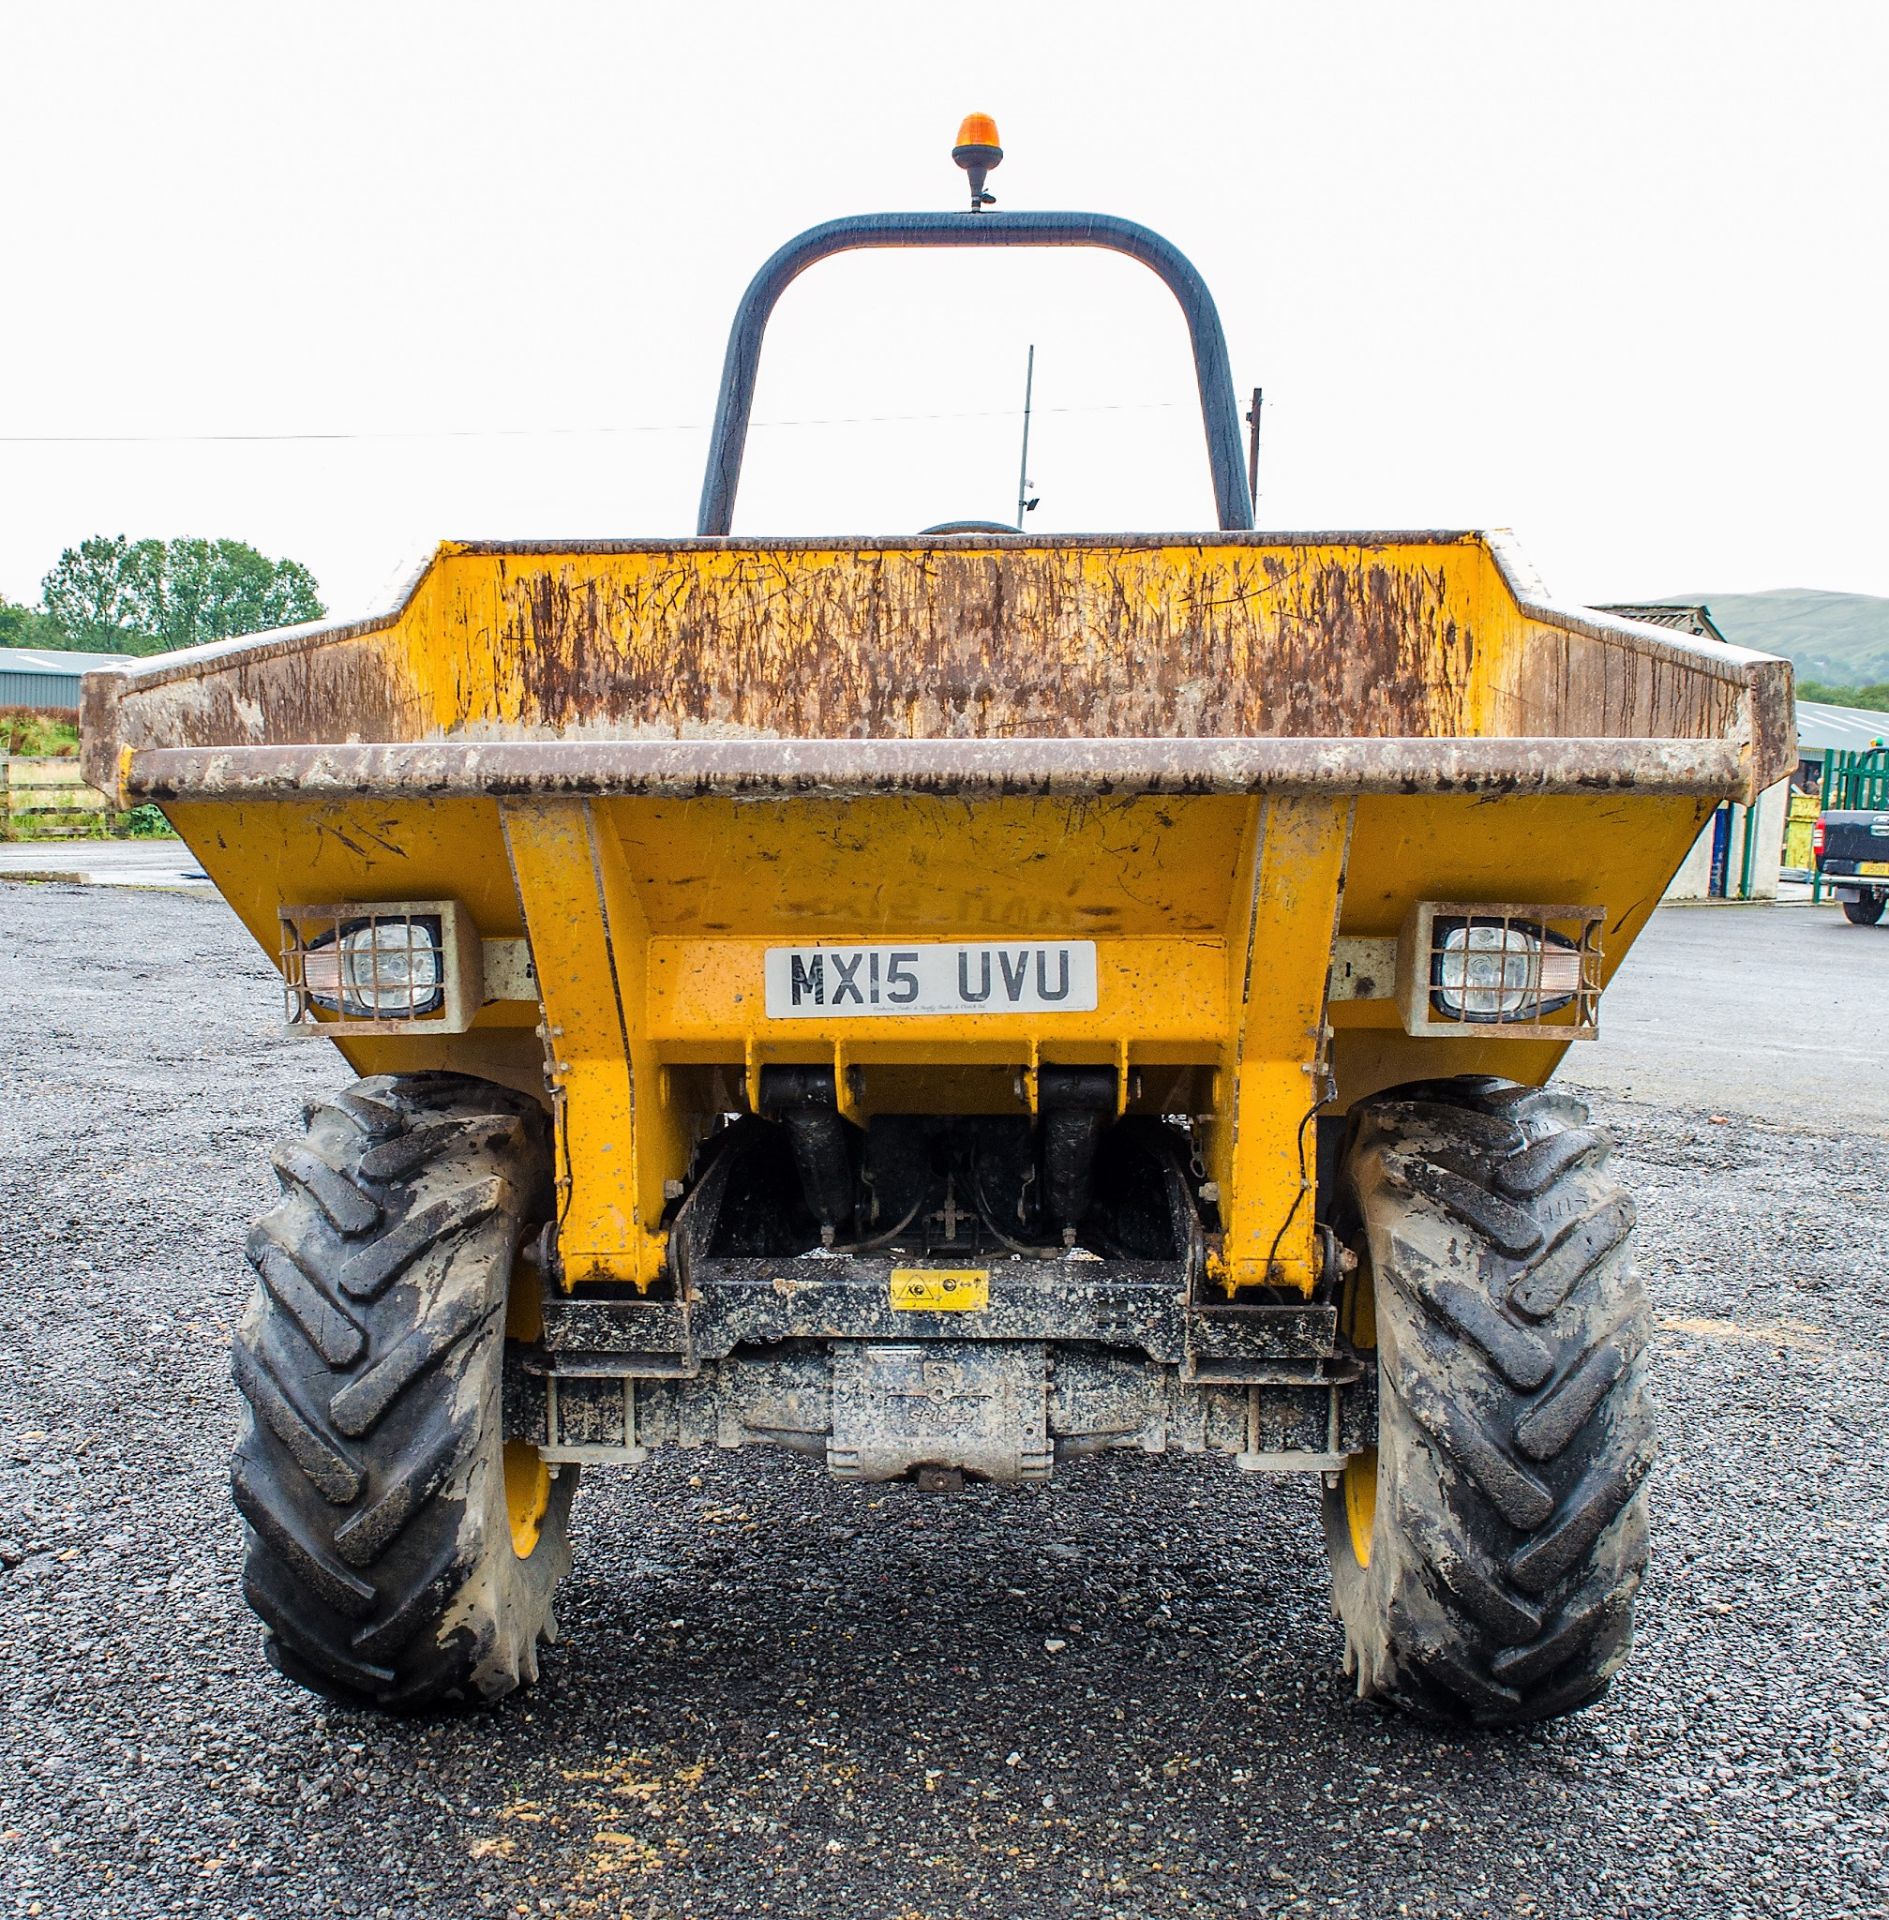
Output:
x=949 y=1004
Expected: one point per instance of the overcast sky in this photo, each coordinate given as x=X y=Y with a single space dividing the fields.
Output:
x=1616 y=276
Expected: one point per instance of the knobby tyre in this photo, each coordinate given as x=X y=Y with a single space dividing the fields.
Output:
x=400 y=1552
x=1485 y=1560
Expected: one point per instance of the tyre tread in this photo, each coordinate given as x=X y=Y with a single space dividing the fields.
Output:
x=1505 y=1564
x=379 y=1556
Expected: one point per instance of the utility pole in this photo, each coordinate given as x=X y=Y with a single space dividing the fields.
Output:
x=1024 y=502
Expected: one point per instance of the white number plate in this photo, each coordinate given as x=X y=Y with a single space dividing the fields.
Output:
x=829 y=983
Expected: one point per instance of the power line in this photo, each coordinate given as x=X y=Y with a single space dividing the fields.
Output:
x=532 y=433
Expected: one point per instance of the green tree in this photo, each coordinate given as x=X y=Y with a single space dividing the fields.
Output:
x=114 y=595
x=105 y=593
x=215 y=588
x=28 y=627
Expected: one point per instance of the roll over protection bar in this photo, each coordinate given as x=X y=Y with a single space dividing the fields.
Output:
x=1219 y=410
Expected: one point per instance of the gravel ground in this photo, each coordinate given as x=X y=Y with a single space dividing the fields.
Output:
x=1118 y=1695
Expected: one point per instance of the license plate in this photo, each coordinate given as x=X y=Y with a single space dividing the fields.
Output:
x=1874 y=869
x=940 y=1289
x=850 y=983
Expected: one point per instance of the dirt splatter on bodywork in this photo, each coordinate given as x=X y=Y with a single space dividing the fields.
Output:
x=652 y=759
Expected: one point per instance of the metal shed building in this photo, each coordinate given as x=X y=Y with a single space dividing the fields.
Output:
x=1822 y=728
x=42 y=677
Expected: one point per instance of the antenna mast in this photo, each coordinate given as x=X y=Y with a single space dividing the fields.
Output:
x=1024 y=502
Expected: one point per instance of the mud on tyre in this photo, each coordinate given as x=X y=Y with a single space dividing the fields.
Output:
x=1486 y=1558
x=399 y=1551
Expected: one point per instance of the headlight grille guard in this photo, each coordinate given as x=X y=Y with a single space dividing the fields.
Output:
x=1427 y=967
x=313 y=1002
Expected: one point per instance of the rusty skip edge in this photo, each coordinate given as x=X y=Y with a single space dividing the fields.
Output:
x=1516 y=571
x=1763 y=741
x=838 y=768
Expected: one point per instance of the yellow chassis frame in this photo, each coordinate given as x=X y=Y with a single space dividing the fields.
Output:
x=1216 y=919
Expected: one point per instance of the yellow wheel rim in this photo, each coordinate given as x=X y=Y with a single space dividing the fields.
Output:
x=527 y=1478
x=1361 y=1502
x=1360 y=1482
x=527 y=1494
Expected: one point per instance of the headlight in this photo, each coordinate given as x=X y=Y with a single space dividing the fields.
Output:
x=398 y=966
x=1508 y=970
x=378 y=969
x=1491 y=970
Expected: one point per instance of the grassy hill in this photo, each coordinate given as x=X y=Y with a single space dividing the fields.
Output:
x=1840 y=638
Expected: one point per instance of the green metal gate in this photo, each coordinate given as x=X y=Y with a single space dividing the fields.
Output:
x=1858 y=780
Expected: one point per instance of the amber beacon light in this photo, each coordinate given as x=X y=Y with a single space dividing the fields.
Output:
x=977 y=152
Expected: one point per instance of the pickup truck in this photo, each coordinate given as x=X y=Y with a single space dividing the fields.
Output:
x=1850 y=841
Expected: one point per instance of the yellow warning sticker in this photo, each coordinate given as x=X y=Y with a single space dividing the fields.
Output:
x=940 y=1289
